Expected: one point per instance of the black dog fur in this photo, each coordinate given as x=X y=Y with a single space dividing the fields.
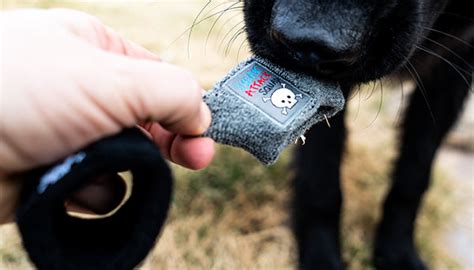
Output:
x=353 y=42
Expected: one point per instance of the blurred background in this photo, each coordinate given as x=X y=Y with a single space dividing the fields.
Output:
x=234 y=215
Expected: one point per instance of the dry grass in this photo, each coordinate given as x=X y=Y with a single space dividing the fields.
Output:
x=234 y=215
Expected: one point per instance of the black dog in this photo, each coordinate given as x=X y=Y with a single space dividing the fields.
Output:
x=357 y=41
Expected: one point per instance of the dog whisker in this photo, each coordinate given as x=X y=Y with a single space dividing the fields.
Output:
x=231 y=30
x=194 y=23
x=359 y=101
x=449 y=50
x=449 y=35
x=411 y=69
x=371 y=91
x=402 y=98
x=457 y=16
x=380 y=104
x=223 y=26
x=244 y=42
x=202 y=20
x=457 y=69
x=232 y=40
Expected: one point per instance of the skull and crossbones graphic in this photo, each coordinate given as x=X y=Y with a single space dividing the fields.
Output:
x=283 y=98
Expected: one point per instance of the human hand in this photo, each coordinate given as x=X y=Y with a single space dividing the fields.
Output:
x=67 y=80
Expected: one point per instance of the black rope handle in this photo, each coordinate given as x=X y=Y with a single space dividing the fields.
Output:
x=54 y=239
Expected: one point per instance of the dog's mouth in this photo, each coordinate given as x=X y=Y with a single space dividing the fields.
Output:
x=304 y=58
x=263 y=107
x=298 y=58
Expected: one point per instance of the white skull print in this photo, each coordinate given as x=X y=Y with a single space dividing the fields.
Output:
x=283 y=98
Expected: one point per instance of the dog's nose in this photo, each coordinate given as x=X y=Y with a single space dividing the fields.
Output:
x=318 y=50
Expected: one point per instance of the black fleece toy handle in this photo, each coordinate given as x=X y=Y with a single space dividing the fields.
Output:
x=57 y=240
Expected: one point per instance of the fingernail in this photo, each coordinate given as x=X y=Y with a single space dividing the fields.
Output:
x=205 y=117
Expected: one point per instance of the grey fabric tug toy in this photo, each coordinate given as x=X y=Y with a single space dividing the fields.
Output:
x=262 y=107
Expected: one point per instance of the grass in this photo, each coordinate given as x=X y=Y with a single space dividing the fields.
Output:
x=234 y=215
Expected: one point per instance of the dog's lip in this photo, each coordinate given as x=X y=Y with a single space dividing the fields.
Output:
x=279 y=39
x=287 y=58
x=309 y=58
x=288 y=62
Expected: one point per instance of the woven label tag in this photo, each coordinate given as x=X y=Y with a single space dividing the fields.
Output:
x=269 y=93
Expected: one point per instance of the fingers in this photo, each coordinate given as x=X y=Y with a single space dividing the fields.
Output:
x=191 y=152
x=115 y=43
x=92 y=30
x=86 y=82
x=155 y=91
x=169 y=95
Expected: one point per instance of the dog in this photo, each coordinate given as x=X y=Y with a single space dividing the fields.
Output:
x=353 y=42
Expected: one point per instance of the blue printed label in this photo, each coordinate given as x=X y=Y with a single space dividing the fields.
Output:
x=59 y=171
x=271 y=94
